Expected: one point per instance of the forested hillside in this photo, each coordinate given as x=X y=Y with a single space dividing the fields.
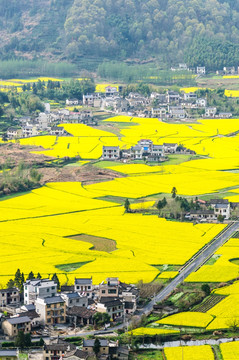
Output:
x=169 y=30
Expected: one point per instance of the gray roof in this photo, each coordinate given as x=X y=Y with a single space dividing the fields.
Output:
x=53 y=300
x=109 y=301
x=111 y=147
x=219 y=201
x=202 y=212
x=36 y=282
x=77 y=353
x=29 y=307
x=91 y=342
x=221 y=206
x=158 y=147
x=73 y=295
x=83 y=281
x=81 y=311
x=19 y=320
x=9 y=290
x=136 y=147
x=8 y=353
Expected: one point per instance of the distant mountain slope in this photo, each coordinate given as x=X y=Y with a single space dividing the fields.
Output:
x=171 y=30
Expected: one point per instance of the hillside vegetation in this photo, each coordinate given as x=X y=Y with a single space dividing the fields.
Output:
x=169 y=30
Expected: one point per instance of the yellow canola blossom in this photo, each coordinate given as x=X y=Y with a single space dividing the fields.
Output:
x=223 y=269
x=142 y=205
x=56 y=213
x=189 y=353
x=232 y=93
x=150 y=331
x=136 y=168
x=231 y=77
x=168 y=275
x=193 y=319
x=230 y=350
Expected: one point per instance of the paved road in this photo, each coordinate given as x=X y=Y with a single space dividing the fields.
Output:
x=193 y=265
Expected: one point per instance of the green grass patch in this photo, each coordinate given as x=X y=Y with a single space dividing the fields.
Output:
x=176 y=296
x=213 y=259
x=7 y=197
x=177 y=159
x=234 y=261
x=147 y=355
x=105 y=164
x=217 y=352
x=168 y=267
x=71 y=267
x=22 y=356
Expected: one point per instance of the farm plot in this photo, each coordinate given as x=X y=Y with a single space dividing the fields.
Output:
x=189 y=352
x=39 y=228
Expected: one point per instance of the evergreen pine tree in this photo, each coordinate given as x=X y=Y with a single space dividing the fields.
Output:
x=31 y=276
x=20 y=340
x=55 y=278
x=18 y=278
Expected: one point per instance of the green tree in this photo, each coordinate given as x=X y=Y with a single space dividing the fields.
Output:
x=18 y=278
x=20 y=340
x=41 y=342
x=206 y=289
x=10 y=284
x=1 y=111
x=56 y=280
x=38 y=276
x=4 y=137
x=174 y=192
x=161 y=204
x=220 y=218
x=96 y=347
x=127 y=205
x=28 y=340
x=30 y=276
x=35 y=175
x=101 y=319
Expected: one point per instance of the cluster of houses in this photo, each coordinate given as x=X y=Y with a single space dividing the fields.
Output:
x=228 y=70
x=58 y=349
x=46 y=123
x=42 y=305
x=201 y=70
x=175 y=106
x=210 y=210
x=144 y=150
x=171 y=104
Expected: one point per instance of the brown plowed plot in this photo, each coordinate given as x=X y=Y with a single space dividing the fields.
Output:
x=86 y=174
x=11 y=154
x=99 y=243
x=209 y=303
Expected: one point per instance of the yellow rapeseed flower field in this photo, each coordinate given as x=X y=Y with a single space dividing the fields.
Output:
x=150 y=331
x=230 y=350
x=189 y=353
x=193 y=319
x=45 y=229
